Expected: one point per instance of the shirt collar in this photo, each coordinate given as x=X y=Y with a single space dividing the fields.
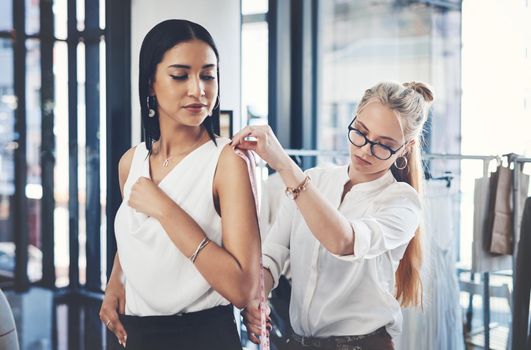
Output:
x=385 y=180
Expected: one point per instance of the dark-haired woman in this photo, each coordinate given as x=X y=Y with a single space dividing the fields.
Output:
x=187 y=233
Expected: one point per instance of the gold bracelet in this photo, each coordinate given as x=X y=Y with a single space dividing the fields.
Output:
x=200 y=247
x=293 y=192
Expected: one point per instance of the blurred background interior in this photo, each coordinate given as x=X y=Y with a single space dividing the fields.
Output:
x=69 y=109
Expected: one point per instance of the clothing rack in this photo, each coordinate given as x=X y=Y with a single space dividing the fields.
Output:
x=512 y=158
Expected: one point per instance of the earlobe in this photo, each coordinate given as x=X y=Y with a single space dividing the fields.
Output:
x=150 y=84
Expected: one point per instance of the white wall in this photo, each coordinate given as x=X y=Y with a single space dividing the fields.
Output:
x=222 y=18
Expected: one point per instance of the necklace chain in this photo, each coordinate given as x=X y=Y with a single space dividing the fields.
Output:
x=167 y=160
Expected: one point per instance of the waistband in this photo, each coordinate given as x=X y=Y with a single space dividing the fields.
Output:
x=215 y=314
x=336 y=341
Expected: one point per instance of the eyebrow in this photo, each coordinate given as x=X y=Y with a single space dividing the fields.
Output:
x=381 y=137
x=184 y=66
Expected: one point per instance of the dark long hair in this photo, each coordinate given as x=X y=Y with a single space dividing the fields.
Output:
x=157 y=41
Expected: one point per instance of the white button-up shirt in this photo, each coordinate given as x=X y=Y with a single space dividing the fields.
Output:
x=346 y=295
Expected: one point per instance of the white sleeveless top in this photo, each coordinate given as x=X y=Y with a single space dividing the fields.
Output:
x=159 y=279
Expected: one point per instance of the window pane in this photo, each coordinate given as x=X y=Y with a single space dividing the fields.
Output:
x=508 y=89
x=254 y=6
x=32 y=16
x=102 y=14
x=33 y=146
x=60 y=10
x=6 y=15
x=103 y=166
x=80 y=15
x=362 y=43
x=61 y=182
x=7 y=166
x=82 y=169
x=254 y=73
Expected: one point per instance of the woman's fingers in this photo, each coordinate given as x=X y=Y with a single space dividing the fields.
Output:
x=109 y=317
x=253 y=329
x=252 y=318
x=121 y=334
x=113 y=323
x=259 y=132
x=248 y=145
x=253 y=338
x=241 y=135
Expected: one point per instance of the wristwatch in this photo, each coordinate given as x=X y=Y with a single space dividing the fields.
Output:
x=293 y=192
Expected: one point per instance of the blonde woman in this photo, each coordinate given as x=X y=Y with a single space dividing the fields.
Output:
x=350 y=232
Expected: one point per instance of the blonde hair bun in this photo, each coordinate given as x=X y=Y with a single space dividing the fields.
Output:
x=421 y=88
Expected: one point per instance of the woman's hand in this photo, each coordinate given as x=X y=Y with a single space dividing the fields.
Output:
x=266 y=145
x=252 y=320
x=114 y=303
x=147 y=198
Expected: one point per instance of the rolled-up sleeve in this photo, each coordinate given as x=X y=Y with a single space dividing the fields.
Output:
x=392 y=224
x=275 y=250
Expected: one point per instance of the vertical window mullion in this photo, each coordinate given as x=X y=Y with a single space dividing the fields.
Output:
x=118 y=91
x=73 y=204
x=20 y=201
x=92 y=103
x=47 y=145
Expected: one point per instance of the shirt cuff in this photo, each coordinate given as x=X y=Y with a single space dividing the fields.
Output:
x=362 y=241
x=273 y=259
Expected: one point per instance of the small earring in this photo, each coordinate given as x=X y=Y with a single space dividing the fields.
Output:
x=401 y=162
x=151 y=105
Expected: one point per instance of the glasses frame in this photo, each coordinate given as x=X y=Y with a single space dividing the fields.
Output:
x=372 y=143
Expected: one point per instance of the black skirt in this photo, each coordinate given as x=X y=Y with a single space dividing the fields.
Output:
x=207 y=329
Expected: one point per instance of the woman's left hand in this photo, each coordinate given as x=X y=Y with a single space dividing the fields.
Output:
x=266 y=145
x=147 y=198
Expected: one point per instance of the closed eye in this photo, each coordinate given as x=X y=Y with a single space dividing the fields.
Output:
x=179 y=77
x=184 y=77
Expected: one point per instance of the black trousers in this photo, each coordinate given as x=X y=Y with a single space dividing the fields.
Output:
x=203 y=330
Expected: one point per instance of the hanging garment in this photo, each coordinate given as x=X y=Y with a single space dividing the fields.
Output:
x=439 y=325
x=483 y=261
x=522 y=285
x=499 y=226
x=499 y=231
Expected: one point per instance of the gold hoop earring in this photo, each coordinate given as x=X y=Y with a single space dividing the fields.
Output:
x=400 y=163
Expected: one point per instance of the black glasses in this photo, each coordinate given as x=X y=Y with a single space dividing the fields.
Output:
x=380 y=151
